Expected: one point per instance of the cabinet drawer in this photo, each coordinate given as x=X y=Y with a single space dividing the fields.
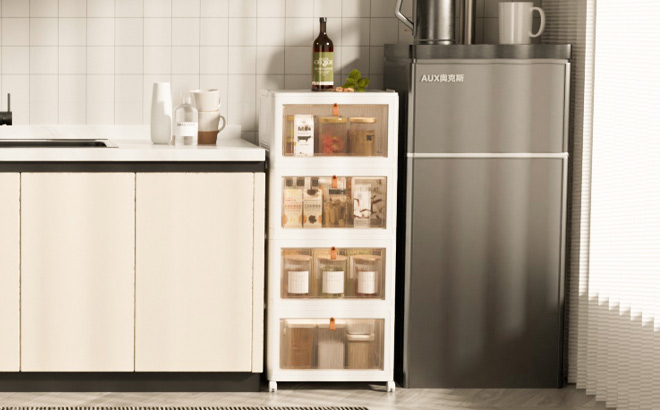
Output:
x=355 y=344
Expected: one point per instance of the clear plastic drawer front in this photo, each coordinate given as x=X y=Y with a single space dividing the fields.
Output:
x=333 y=273
x=331 y=344
x=341 y=130
x=334 y=202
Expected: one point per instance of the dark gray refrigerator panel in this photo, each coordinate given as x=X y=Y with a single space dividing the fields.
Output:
x=489 y=106
x=485 y=264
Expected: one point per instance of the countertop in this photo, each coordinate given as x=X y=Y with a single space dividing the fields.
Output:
x=133 y=145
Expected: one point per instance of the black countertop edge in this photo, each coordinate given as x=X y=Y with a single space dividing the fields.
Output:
x=131 y=166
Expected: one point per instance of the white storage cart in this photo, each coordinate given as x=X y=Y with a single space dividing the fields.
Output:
x=331 y=235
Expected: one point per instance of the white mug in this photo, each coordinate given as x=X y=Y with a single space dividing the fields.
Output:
x=206 y=100
x=210 y=120
x=516 y=22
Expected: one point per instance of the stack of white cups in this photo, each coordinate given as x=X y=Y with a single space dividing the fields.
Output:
x=207 y=103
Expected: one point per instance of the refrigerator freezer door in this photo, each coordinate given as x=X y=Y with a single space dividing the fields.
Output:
x=490 y=106
x=485 y=273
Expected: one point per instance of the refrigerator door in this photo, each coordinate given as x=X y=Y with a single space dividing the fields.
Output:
x=490 y=106
x=485 y=272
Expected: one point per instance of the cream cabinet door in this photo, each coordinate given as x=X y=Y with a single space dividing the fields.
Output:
x=194 y=271
x=9 y=271
x=77 y=271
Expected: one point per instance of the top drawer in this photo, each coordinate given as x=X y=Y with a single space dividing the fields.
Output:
x=329 y=129
x=490 y=106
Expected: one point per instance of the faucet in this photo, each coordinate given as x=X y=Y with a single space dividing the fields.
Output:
x=5 y=116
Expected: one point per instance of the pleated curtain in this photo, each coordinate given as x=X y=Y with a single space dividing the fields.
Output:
x=613 y=282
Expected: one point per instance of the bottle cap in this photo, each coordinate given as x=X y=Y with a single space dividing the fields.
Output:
x=323 y=19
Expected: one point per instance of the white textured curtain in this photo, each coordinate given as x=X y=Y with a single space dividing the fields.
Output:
x=613 y=304
x=623 y=313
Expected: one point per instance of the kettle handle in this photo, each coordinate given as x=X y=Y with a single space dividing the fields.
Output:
x=397 y=12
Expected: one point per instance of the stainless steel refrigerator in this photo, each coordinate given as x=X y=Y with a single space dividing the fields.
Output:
x=484 y=129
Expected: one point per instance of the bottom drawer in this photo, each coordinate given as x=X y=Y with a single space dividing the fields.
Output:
x=331 y=343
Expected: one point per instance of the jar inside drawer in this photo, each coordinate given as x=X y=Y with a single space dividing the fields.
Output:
x=362 y=136
x=331 y=343
x=332 y=135
x=298 y=344
x=297 y=269
x=331 y=270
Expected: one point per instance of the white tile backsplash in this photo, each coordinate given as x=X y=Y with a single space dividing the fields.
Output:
x=43 y=8
x=15 y=31
x=129 y=60
x=44 y=32
x=157 y=8
x=73 y=60
x=214 y=31
x=72 y=31
x=100 y=60
x=72 y=8
x=129 y=31
x=215 y=8
x=158 y=31
x=100 y=8
x=15 y=8
x=186 y=8
x=271 y=31
x=129 y=8
x=104 y=55
x=185 y=31
x=43 y=60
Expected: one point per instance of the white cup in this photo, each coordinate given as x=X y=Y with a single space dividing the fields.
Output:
x=516 y=22
x=206 y=100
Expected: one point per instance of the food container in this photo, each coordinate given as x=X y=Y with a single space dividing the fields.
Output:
x=289 y=132
x=330 y=347
x=362 y=136
x=332 y=135
x=298 y=346
x=331 y=270
x=297 y=276
x=335 y=208
x=360 y=351
x=366 y=273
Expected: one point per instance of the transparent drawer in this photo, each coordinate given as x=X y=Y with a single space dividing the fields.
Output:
x=331 y=343
x=334 y=202
x=335 y=130
x=333 y=273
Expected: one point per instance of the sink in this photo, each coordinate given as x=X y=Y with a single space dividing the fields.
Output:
x=56 y=143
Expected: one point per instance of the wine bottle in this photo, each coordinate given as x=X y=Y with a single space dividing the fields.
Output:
x=322 y=61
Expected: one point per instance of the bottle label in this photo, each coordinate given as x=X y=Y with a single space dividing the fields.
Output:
x=366 y=282
x=298 y=282
x=323 y=68
x=333 y=282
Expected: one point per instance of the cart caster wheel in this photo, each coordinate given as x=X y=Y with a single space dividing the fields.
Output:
x=272 y=386
x=391 y=387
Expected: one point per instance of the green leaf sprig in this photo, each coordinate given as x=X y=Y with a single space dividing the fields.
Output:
x=356 y=82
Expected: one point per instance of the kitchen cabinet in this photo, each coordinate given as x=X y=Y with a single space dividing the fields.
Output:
x=77 y=271
x=199 y=272
x=9 y=271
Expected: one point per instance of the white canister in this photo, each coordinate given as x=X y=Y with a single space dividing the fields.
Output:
x=161 y=113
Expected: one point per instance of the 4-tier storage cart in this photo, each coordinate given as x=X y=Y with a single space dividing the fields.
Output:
x=331 y=235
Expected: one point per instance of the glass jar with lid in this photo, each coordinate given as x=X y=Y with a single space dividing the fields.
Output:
x=331 y=269
x=296 y=277
x=362 y=136
x=332 y=135
x=366 y=273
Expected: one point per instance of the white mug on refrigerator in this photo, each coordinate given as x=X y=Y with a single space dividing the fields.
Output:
x=516 y=22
